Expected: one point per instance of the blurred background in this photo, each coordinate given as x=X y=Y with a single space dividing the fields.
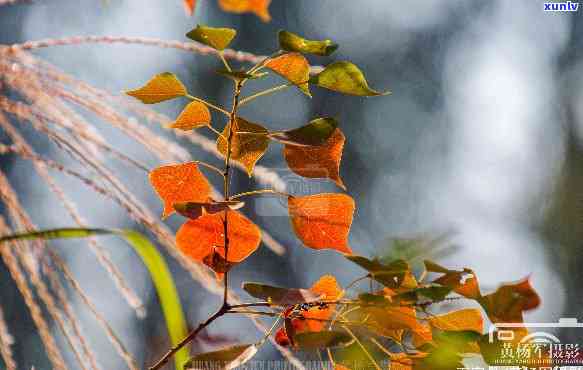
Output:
x=481 y=139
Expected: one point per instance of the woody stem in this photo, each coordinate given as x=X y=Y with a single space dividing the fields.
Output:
x=232 y=120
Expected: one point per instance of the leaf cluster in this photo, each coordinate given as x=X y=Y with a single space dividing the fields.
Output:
x=395 y=314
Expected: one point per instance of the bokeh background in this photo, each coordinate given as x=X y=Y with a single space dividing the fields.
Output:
x=481 y=138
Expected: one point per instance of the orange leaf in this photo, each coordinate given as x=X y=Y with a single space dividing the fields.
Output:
x=179 y=183
x=467 y=319
x=248 y=143
x=509 y=301
x=317 y=162
x=294 y=67
x=196 y=114
x=469 y=288
x=189 y=6
x=328 y=288
x=464 y=282
x=422 y=334
x=199 y=238
x=322 y=221
x=259 y=7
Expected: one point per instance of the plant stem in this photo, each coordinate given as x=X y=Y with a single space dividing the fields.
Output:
x=258 y=192
x=218 y=109
x=209 y=166
x=270 y=331
x=264 y=92
x=253 y=304
x=222 y=57
x=261 y=313
x=220 y=134
x=231 y=124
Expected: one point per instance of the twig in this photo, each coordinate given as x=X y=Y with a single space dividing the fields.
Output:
x=264 y=92
x=232 y=123
x=218 y=109
x=258 y=192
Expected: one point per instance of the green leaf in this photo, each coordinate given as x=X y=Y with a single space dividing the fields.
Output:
x=240 y=75
x=315 y=133
x=322 y=339
x=292 y=42
x=281 y=296
x=390 y=275
x=436 y=293
x=154 y=262
x=163 y=86
x=216 y=38
x=226 y=358
x=346 y=78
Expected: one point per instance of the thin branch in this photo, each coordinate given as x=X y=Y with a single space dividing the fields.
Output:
x=232 y=119
x=217 y=108
x=258 y=313
x=217 y=132
x=225 y=63
x=209 y=166
x=259 y=192
x=252 y=304
x=264 y=92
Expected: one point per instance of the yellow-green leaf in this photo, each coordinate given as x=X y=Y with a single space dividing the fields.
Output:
x=164 y=86
x=216 y=38
x=291 y=42
x=194 y=115
x=316 y=132
x=249 y=143
x=346 y=78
